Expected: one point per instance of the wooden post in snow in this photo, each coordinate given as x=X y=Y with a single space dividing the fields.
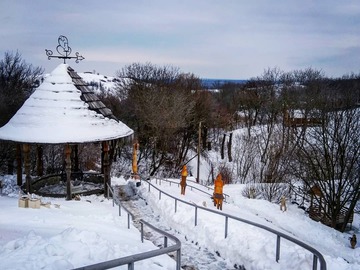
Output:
x=19 y=165
x=39 y=160
x=68 y=171
x=105 y=146
x=26 y=150
x=76 y=158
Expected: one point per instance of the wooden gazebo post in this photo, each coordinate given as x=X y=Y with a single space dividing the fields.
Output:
x=39 y=160
x=19 y=165
x=76 y=158
x=68 y=171
x=26 y=150
x=105 y=147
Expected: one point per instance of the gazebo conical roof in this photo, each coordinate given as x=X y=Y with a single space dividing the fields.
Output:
x=63 y=110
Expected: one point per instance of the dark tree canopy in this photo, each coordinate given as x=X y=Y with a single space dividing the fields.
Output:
x=17 y=81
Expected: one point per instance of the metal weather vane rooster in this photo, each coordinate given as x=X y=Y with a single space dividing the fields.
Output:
x=64 y=51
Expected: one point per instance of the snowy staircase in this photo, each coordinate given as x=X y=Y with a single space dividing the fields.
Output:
x=193 y=256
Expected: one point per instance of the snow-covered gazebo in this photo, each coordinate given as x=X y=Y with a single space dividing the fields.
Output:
x=63 y=110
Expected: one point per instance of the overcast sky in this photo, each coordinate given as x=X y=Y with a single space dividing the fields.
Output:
x=213 y=39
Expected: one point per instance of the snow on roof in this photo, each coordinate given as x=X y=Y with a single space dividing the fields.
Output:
x=63 y=110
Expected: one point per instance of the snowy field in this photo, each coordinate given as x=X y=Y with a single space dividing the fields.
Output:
x=89 y=231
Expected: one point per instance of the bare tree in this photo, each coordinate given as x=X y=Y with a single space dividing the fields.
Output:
x=160 y=108
x=244 y=159
x=17 y=80
x=329 y=157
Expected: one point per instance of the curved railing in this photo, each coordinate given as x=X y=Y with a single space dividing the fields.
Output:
x=317 y=255
x=130 y=260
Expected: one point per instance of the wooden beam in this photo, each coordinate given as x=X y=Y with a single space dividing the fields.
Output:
x=39 y=160
x=26 y=150
x=105 y=147
x=19 y=165
x=68 y=171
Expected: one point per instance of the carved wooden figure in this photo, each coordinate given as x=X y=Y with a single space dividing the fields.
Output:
x=184 y=174
x=283 y=204
x=353 y=241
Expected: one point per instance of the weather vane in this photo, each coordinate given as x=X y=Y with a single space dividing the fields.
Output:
x=64 y=50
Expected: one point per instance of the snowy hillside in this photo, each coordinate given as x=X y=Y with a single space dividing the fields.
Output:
x=89 y=231
x=99 y=82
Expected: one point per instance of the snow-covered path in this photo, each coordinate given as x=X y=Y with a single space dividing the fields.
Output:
x=193 y=256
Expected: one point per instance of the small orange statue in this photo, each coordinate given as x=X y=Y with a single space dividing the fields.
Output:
x=218 y=196
x=134 y=161
x=184 y=174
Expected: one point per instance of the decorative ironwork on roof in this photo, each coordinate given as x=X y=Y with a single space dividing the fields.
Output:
x=64 y=51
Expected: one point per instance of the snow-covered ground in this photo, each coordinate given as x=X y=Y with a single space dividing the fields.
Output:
x=76 y=234
x=90 y=231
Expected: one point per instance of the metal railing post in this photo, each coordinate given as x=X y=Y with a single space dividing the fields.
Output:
x=119 y=209
x=165 y=241
x=226 y=226
x=128 y=220
x=314 y=262
x=178 y=259
x=175 y=205
x=277 y=248
x=142 y=232
x=159 y=194
x=196 y=215
x=131 y=266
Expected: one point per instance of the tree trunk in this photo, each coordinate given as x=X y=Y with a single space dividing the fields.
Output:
x=222 y=147
x=351 y=208
x=229 y=147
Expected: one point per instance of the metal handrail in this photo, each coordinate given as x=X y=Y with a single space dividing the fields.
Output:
x=115 y=199
x=317 y=255
x=131 y=259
